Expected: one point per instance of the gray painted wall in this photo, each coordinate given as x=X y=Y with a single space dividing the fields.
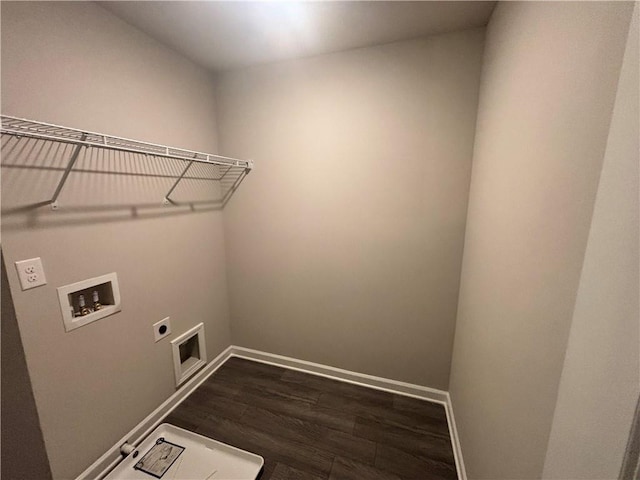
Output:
x=599 y=386
x=345 y=246
x=547 y=92
x=21 y=430
x=77 y=65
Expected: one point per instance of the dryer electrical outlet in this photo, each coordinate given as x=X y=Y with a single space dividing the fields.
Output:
x=161 y=329
x=31 y=273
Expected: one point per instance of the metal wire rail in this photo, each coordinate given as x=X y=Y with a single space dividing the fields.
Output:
x=21 y=127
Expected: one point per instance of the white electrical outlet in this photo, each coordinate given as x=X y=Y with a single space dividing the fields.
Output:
x=161 y=329
x=31 y=273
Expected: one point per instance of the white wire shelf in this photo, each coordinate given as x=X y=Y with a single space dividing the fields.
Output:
x=229 y=170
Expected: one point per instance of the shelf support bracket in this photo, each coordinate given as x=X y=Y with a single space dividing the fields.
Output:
x=168 y=200
x=74 y=156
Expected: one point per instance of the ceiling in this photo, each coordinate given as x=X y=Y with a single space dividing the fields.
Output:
x=226 y=35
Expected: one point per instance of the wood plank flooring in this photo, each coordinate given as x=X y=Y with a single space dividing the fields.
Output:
x=311 y=427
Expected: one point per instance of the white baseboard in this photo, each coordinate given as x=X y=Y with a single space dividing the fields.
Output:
x=101 y=467
x=393 y=386
x=455 y=440
x=371 y=381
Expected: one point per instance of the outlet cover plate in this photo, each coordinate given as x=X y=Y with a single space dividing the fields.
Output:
x=31 y=273
x=159 y=332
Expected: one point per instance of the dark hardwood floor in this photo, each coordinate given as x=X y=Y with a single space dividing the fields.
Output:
x=311 y=427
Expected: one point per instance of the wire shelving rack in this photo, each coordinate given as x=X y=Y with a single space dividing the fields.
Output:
x=227 y=169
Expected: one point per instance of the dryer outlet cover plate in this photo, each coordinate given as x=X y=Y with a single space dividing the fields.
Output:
x=161 y=329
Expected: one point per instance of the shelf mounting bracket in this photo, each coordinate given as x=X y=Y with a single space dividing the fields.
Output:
x=168 y=200
x=74 y=156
